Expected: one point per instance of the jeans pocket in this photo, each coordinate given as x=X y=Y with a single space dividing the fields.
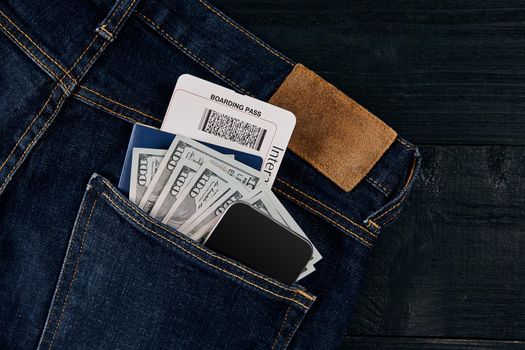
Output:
x=128 y=281
x=391 y=210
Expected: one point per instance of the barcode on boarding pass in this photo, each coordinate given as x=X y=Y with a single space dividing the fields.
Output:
x=233 y=129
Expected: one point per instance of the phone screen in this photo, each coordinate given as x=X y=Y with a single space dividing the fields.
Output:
x=256 y=240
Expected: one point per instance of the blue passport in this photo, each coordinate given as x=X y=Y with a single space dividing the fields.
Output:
x=149 y=137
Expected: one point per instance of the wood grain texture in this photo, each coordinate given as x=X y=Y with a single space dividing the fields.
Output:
x=454 y=264
x=399 y=343
x=438 y=71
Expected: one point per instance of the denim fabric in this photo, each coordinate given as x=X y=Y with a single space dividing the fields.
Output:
x=83 y=267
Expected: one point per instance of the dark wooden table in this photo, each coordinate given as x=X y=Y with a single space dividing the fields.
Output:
x=448 y=75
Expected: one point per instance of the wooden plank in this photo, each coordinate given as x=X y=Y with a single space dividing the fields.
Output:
x=387 y=343
x=454 y=263
x=438 y=71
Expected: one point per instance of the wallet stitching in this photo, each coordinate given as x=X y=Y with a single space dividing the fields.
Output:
x=326 y=206
x=347 y=231
x=191 y=54
x=248 y=34
x=194 y=244
x=75 y=271
x=38 y=47
x=116 y=206
x=120 y=104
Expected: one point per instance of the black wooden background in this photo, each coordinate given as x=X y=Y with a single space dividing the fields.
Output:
x=449 y=75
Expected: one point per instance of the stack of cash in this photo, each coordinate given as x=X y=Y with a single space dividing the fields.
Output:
x=190 y=185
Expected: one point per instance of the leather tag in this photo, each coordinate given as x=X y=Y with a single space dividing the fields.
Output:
x=335 y=134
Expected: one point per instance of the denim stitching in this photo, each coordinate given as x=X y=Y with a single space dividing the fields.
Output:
x=248 y=34
x=36 y=117
x=28 y=127
x=125 y=14
x=401 y=200
x=377 y=185
x=83 y=53
x=49 y=322
x=326 y=206
x=282 y=326
x=347 y=231
x=121 y=104
x=37 y=46
x=114 y=12
x=369 y=222
x=392 y=218
x=88 y=101
x=292 y=331
x=75 y=271
x=44 y=66
x=103 y=28
x=194 y=244
x=198 y=257
x=37 y=136
x=93 y=58
x=192 y=55
x=404 y=143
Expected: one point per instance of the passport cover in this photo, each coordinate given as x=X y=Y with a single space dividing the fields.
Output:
x=149 y=137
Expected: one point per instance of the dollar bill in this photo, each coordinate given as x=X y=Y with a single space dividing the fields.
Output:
x=207 y=184
x=262 y=203
x=197 y=153
x=290 y=222
x=180 y=177
x=200 y=224
x=144 y=165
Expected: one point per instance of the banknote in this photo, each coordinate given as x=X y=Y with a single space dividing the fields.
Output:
x=180 y=177
x=144 y=165
x=197 y=153
x=207 y=184
x=290 y=222
x=200 y=224
x=261 y=202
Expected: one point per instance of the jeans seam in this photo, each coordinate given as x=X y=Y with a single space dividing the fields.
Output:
x=282 y=327
x=82 y=87
x=324 y=205
x=406 y=144
x=75 y=271
x=248 y=34
x=42 y=64
x=377 y=185
x=108 y=110
x=194 y=244
x=347 y=231
x=392 y=218
x=33 y=140
x=116 y=206
x=188 y=52
x=37 y=46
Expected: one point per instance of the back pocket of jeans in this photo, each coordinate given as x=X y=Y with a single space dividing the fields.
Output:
x=128 y=281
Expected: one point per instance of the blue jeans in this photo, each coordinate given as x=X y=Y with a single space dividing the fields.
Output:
x=83 y=267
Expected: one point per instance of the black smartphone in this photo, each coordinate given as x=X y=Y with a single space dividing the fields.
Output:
x=246 y=235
